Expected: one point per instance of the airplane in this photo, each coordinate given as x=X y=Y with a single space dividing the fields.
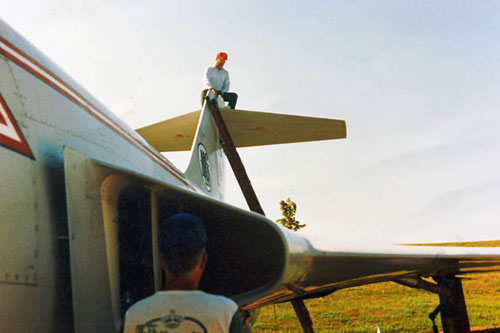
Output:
x=82 y=196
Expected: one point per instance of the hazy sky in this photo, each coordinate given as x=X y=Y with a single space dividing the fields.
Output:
x=417 y=82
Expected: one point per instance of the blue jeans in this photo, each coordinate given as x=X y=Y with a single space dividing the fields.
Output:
x=229 y=97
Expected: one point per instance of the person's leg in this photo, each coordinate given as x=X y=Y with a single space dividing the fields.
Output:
x=231 y=98
x=203 y=95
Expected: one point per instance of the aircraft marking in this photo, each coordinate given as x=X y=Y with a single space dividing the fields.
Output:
x=36 y=69
x=2 y=120
x=10 y=135
x=204 y=165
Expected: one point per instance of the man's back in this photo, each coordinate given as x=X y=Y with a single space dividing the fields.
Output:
x=181 y=307
x=182 y=311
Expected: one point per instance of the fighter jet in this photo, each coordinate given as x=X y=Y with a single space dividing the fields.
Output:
x=82 y=195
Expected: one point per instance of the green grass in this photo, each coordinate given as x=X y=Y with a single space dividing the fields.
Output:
x=394 y=308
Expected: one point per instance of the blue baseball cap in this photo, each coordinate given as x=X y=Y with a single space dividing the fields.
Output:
x=183 y=230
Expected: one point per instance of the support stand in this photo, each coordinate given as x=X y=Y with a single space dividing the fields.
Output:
x=250 y=196
x=432 y=317
x=303 y=315
x=452 y=306
x=453 y=310
x=235 y=160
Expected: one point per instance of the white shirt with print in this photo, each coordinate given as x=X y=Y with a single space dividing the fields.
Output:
x=181 y=311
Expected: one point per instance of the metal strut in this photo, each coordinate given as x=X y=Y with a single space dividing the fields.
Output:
x=452 y=306
x=250 y=196
x=453 y=309
x=303 y=315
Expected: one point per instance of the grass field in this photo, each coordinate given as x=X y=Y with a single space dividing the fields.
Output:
x=392 y=307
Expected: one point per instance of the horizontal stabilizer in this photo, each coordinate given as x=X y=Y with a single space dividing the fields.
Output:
x=247 y=129
x=174 y=134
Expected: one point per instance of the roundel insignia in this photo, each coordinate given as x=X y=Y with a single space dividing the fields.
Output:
x=10 y=135
x=204 y=165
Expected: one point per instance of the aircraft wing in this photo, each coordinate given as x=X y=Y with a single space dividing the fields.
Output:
x=254 y=260
x=317 y=273
x=247 y=129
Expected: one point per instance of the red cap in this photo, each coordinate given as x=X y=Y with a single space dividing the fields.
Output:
x=222 y=55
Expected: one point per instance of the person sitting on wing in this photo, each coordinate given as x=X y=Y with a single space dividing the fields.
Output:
x=216 y=80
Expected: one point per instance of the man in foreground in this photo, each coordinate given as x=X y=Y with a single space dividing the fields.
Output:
x=181 y=307
x=216 y=80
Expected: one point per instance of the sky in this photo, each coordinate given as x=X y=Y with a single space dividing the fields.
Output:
x=417 y=83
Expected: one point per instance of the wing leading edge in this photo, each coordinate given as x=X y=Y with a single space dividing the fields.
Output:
x=317 y=273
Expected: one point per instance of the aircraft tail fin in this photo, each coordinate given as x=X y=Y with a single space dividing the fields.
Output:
x=206 y=166
x=247 y=129
x=197 y=131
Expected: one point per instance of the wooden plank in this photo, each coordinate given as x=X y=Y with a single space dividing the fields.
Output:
x=235 y=161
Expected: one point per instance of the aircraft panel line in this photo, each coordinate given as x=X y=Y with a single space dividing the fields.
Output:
x=33 y=67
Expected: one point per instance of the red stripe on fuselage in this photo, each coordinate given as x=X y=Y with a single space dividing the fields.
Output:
x=2 y=121
x=36 y=69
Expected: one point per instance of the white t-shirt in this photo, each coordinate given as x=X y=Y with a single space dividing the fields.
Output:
x=181 y=311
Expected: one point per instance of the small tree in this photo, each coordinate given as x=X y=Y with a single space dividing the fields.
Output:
x=288 y=209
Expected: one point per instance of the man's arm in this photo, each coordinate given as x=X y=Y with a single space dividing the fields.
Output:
x=206 y=79
x=225 y=86
x=236 y=325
